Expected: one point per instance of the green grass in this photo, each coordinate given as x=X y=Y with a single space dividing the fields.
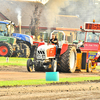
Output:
x=43 y=81
x=13 y=61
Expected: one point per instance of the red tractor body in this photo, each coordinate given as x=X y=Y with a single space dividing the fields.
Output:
x=92 y=48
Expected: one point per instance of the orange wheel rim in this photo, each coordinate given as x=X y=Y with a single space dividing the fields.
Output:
x=3 y=50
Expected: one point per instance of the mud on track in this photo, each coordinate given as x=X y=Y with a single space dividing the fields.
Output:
x=74 y=91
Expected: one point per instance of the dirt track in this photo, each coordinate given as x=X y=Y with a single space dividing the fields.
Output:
x=75 y=91
x=21 y=73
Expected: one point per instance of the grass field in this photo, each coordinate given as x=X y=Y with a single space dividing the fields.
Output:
x=13 y=61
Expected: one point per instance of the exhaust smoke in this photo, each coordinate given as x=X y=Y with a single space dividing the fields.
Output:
x=18 y=11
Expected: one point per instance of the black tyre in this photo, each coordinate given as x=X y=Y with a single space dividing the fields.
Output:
x=89 y=66
x=6 y=49
x=32 y=51
x=68 y=60
x=35 y=58
x=25 y=50
x=16 y=53
x=36 y=67
x=54 y=66
x=29 y=65
x=35 y=51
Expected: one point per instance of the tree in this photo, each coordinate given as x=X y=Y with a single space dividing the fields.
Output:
x=35 y=21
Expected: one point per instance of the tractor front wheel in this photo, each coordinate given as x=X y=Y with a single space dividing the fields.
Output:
x=29 y=65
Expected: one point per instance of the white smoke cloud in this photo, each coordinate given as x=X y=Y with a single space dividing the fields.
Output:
x=18 y=11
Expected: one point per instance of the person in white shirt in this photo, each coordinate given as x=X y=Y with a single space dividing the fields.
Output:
x=79 y=43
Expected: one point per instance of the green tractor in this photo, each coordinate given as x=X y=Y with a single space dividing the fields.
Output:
x=8 y=45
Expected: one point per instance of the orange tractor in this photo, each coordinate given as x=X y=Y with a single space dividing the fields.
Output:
x=68 y=57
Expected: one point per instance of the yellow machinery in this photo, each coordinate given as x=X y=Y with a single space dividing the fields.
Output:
x=82 y=64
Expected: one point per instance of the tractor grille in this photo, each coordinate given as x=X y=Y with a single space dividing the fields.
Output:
x=41 y=54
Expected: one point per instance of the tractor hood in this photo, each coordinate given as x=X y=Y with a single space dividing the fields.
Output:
x=23 y=37
x=45 y=47
x=46 y=51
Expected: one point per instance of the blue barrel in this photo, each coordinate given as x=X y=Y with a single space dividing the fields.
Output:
x=52 y=76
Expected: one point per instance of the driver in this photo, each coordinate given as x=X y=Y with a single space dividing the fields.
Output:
x=54 y=41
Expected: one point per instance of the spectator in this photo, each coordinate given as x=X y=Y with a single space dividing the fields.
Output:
x=82 y=44
x=89 y=38
x=95 y=39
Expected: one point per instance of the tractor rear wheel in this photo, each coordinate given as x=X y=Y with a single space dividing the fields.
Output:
x=89 y=66
x=29 y=65
x=25 y=50
x=68 y=60
x=16 y=53
x=6 y=49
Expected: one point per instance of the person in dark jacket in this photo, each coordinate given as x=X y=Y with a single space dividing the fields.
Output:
x=54 y=40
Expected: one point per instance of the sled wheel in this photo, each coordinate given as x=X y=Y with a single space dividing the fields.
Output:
x=89 y=66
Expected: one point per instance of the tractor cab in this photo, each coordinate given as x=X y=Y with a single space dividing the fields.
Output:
x=6 y=28
x=92 y=37
x=91 y=41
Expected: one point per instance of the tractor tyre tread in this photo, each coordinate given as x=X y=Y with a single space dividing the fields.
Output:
x=15 y=54
x=64 y=64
